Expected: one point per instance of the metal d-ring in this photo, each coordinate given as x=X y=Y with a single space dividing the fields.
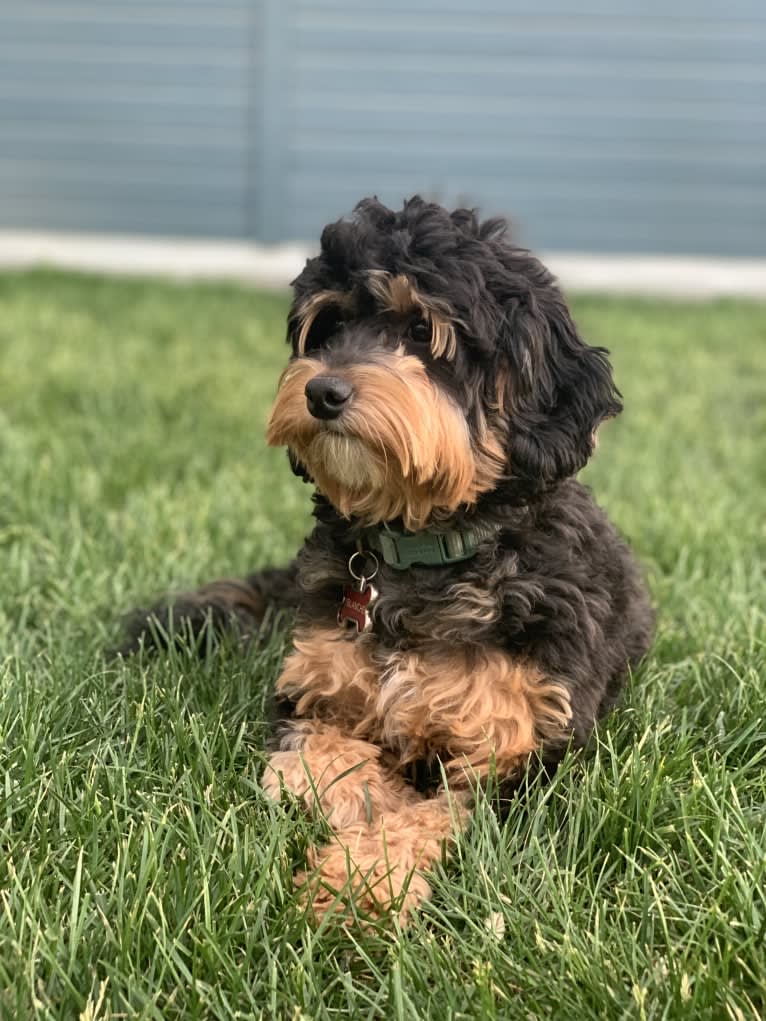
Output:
x=366 y=555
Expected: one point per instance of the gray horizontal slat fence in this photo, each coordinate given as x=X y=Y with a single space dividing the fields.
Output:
x=127 y=116
x=611 y=125
x=602 y=125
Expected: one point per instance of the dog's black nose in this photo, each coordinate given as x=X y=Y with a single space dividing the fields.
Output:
x=326 y=396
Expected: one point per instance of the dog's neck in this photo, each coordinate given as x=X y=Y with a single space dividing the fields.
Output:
x=440 y=543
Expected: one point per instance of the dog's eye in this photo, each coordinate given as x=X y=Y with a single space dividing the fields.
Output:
x=325 y=324
x=420 y=332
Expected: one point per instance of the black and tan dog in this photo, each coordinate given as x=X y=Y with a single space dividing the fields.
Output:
x=464 y=609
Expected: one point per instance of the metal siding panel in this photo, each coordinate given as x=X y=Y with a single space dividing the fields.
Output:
x=126 y=117
x=272 y=128
x=475 y=32
x=104 y=216
x=602 y=124
x=659 y=10
x=529 y=80
x=683 y=128
x=596 y=124
x=587 y=224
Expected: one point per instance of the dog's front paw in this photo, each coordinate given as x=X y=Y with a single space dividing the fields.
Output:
x=343 y=779
x=358 y=876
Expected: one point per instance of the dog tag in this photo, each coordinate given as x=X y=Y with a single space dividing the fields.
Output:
x=354 y=610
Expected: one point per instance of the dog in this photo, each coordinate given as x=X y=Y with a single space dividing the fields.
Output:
x=464 y=611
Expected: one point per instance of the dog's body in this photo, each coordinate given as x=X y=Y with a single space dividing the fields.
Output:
x=440 y=399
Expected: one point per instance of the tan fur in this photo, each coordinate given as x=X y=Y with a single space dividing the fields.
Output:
x=345 y=779
x=401 y=448
x=399 y=295
x=476 y=711
x=473 y=709
x=395 y=294
x=379 y=866
x=489 y=458
x=307 y=313
x=331 y=672
x=378 y=462
x=502 y=390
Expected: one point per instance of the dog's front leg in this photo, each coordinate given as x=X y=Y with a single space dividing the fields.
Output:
x=344 y=779
x=321 y=753
x=381 y=867
x=478 y=710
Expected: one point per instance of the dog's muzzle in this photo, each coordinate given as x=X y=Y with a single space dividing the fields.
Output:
x=327 y=396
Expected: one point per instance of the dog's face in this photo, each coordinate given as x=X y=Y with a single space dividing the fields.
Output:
x=433 y=362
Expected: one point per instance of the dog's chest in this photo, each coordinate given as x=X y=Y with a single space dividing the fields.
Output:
x=422 y=702
x=464 y=707
x=418 y=703
x=460 y=605
x=402 y=712
x=410 y=683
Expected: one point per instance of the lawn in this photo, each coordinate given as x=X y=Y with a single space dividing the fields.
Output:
x=143 y=875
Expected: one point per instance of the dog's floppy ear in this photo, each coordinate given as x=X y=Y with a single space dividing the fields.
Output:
x=561 y=389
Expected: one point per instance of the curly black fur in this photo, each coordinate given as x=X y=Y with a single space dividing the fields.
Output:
x=510 y=312
x=556 y=584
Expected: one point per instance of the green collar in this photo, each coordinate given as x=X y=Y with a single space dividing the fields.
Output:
x=401 y=550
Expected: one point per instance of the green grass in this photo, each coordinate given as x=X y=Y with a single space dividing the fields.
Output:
x=142 y=874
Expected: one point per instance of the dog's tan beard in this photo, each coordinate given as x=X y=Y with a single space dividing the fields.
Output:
x=401 y=449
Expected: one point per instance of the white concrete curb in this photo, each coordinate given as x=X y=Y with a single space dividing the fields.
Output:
x=676 y=276
x=277 y=265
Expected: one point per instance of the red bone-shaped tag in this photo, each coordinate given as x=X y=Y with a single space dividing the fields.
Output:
x=354 y=610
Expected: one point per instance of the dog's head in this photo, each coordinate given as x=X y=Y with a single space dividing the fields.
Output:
x=433 y=362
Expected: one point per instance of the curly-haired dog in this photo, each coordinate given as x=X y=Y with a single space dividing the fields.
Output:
x=464 y=609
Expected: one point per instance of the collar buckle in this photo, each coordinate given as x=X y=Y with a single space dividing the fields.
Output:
x=401 y=550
